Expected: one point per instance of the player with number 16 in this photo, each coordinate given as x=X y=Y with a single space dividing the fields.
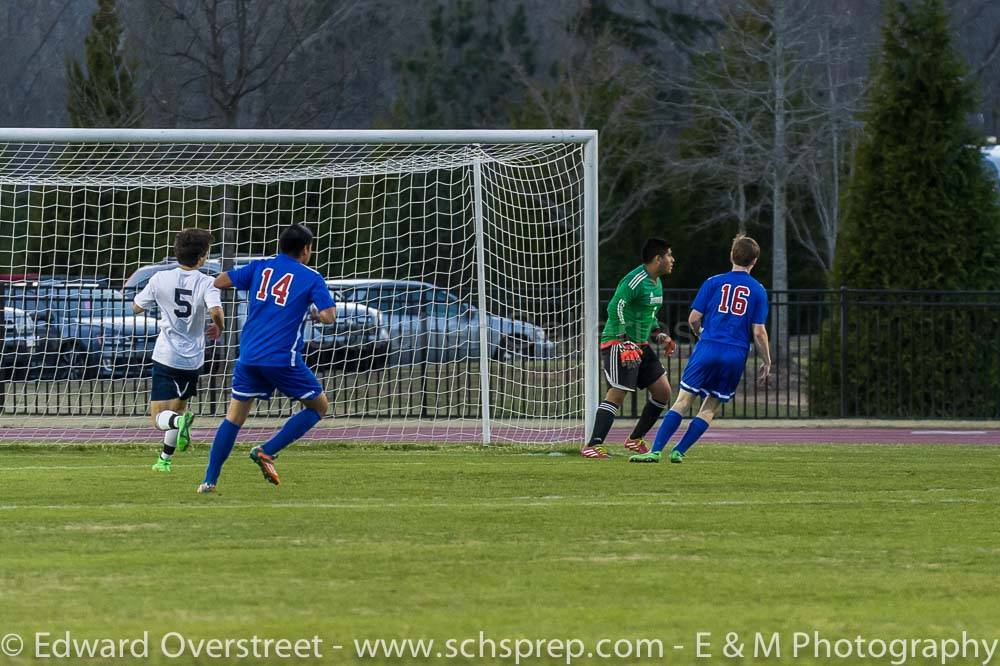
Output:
x=728 y=314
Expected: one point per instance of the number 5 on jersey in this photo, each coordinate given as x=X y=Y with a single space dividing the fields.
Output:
x=280 y=288
x=734 y=300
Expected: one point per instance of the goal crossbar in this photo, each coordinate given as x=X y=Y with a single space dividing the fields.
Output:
x=112 y=135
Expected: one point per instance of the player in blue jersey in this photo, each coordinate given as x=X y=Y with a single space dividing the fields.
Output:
x=280 y=291
x=728 y=314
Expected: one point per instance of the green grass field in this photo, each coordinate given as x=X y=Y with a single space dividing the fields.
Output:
x=368 y=543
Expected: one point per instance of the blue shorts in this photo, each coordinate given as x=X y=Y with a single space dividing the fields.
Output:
x=714 y=369
x=261 y=381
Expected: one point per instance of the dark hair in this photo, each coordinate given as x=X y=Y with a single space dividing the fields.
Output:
x=653 y=248
x=191 y=245
x=295 y=239
x=745 y=251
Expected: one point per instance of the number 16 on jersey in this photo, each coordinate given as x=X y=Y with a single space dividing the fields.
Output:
x=734 y=301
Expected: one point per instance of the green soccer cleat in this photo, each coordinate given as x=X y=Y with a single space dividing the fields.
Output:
x=676 y=457
x=651 y=457
x=266 y=464
x=184 y=422
x=162 y=465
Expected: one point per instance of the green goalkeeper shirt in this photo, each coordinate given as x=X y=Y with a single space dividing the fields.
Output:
x=633 y=308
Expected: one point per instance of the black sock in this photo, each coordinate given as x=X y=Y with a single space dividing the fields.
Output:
x=650 y=413
x=606 y=413
x=169 y=450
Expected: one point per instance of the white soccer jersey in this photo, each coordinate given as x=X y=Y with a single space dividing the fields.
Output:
x=184 y=298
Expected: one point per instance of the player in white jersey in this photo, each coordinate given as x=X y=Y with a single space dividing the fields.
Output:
x=186 y=298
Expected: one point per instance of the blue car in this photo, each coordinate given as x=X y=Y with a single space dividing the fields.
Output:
x=83 y=330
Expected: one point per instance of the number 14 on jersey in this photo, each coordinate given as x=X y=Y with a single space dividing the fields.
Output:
x=280 y=288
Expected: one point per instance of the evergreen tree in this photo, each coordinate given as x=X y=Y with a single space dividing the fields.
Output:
x=103 y=94
x=922 y=215
x=922 y=212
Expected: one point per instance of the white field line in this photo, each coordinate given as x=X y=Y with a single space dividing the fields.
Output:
x=15 y=468
x=948 y=432
x=504 y=504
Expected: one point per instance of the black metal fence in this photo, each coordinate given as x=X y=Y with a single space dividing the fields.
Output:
x=860 y=353
x=835 y=353
x=79 y=350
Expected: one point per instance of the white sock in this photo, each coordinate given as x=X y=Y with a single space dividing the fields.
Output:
x=163 y=419
x=169 y=442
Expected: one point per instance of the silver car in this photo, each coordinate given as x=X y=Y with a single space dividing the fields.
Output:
x=428 y=323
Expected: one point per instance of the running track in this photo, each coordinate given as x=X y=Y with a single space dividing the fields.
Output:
x=465 y=434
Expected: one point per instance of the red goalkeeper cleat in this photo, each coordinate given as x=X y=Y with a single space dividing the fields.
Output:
x=597 y=452
x=637 y=445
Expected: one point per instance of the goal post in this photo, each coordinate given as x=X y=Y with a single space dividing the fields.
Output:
x=464 y=263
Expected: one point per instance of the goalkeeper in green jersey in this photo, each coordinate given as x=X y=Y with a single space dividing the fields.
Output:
x=628 y=360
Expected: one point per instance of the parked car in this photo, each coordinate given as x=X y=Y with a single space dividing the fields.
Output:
x=97 y=280
x=137 y=281
x=17 y=350
x=428 y=323
x=991 y=159
x=85 y=330
x=140 y=277
x=356 y=341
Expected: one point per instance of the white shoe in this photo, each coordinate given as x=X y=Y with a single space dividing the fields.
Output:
x=206 y=488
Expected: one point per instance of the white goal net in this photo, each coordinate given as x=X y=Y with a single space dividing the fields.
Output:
x=463 y=265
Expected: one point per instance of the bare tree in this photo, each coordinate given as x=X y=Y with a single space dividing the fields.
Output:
x=769 y=108
x=765 y=117
x=600 y=84
x=246 y=63
x=979 y=18
x=837 y=93
x=33 y=75
x=977 y=25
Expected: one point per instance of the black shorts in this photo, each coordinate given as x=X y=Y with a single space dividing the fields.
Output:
x=172 y=383
x=629 y=379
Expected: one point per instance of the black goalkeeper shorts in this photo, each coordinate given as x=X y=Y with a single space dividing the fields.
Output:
x=629 y=379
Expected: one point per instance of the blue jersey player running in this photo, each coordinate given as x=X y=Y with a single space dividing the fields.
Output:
x=280 y=291
x=727 y=315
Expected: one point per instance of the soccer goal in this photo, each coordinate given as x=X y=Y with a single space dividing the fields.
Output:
x=464 y=265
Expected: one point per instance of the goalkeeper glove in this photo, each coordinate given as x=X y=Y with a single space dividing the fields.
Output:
x=629 y=354
x=660 y=337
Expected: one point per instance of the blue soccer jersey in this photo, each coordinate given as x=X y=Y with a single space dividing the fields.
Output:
x=731 y=304
x=279 y=293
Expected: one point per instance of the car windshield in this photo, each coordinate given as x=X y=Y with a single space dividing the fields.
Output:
x=72 y=302
x=392 y=299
